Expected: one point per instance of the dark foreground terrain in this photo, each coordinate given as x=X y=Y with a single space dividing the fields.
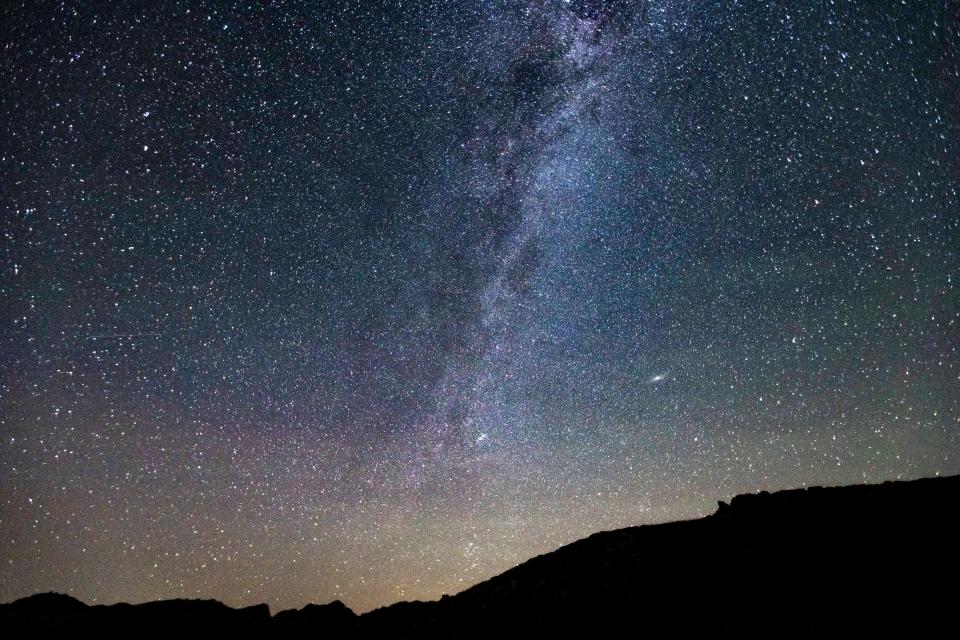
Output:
x=871 y=558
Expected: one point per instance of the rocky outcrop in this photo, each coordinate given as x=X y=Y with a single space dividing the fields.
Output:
x=330 y=619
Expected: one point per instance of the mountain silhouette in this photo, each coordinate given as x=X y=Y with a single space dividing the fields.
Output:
x=860 y=559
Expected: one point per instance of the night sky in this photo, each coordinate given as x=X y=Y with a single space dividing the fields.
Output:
x=374 y=300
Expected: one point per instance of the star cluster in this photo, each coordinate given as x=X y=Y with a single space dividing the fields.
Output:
x=373 y=300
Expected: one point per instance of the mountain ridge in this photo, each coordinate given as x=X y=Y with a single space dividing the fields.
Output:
x=855 y=557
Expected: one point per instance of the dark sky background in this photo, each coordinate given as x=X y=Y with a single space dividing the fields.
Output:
x=374 y=300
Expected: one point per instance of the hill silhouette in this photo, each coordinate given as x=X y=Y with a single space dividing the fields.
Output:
x=857 y=559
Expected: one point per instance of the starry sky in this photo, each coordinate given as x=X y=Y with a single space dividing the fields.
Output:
x=373 y=300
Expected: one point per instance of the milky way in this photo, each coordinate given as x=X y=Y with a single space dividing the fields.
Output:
x=374 y=300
